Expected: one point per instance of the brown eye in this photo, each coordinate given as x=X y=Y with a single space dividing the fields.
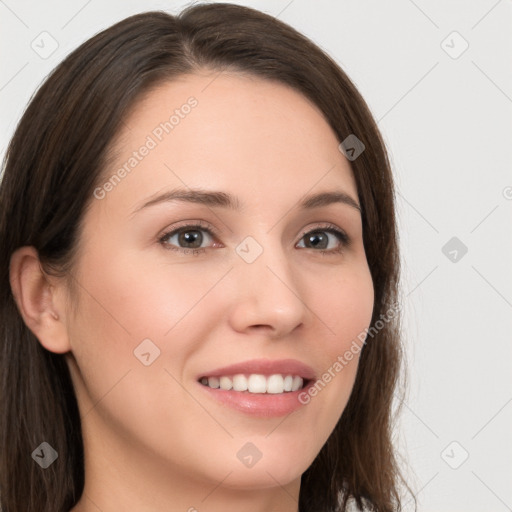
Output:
x=187 y=237
x=328 y=239
x=192 y=239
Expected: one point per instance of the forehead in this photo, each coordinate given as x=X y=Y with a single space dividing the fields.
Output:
x=258 y=139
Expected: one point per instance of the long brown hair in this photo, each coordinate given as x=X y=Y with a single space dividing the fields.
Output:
x=57 y=157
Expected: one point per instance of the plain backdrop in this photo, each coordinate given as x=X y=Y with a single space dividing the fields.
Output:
x=438 y=78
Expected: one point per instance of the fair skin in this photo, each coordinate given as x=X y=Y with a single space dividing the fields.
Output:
x=154 y=440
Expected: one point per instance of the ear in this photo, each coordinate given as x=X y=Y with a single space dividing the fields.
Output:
x=40 y=301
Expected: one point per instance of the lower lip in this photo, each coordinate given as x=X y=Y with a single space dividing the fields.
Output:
x=264 y=405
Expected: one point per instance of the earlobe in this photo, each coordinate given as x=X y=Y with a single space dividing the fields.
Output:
x=37 y=300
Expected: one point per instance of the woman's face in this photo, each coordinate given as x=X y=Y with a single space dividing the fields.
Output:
x=174 y=291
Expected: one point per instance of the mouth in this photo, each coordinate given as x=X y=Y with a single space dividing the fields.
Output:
x=260 y=387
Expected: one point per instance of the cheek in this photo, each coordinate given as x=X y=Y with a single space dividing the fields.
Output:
x=344 y=306
x=129 y=310
x=137 y=300
x=126 y=302
x=344 y=309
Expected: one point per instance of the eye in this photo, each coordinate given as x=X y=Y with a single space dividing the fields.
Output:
x=197 y=237
x=187 y=238
x=328 y=239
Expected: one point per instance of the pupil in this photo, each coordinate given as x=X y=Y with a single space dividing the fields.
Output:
x=316 y=240
x=192 y=237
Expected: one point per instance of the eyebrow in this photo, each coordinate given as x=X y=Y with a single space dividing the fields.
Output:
x=224 y=200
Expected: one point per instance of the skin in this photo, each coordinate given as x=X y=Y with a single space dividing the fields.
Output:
x=153 y=440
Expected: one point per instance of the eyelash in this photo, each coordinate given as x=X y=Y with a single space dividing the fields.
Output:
x=201 y=226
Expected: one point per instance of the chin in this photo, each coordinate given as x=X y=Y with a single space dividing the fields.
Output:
x=264 y=476
x=273 y=463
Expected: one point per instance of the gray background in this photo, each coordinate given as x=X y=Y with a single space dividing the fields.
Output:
x=445 y=116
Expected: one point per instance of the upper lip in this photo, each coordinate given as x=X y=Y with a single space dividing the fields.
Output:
x=264 y=367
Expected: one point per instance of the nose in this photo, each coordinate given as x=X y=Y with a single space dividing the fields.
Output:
x=267 y=295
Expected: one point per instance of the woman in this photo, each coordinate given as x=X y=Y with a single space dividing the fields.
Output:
x=199 y=277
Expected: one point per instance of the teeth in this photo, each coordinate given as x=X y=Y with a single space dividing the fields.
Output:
x=213 y=382
x=297 y=383
x=226 y=383
x=240 y=383
x=256 y=383
x=275 y=384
